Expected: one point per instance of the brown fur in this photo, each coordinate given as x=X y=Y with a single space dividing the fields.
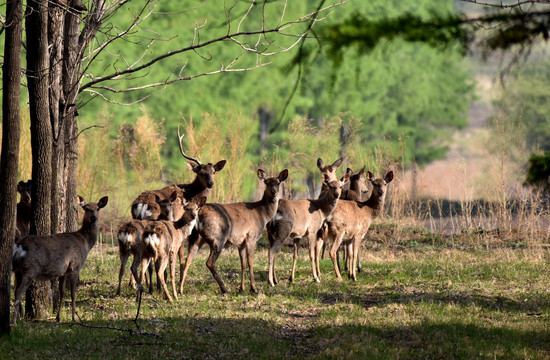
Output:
x=23 y=220
x=297 y=219
x=162 y=241
x=351 y=220
x=239 y=224
x=48 y=257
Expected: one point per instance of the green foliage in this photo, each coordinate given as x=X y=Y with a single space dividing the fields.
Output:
x=538 y=172
x=524 y=102
x=400 y=90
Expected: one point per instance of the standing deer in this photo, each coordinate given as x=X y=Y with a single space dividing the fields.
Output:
x=200 y=187
x=297 y=219
x=130 y=235
x=47 y=257
x=239 y=224
x=23 y=220
x=351 y=220
x=359 y=190
x=162 y=241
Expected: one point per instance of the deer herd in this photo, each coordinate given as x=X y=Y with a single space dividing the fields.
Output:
x=164 y=220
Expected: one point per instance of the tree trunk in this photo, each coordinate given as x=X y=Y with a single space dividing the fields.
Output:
x=71 y=71
x=9 y=159
x=37 y=304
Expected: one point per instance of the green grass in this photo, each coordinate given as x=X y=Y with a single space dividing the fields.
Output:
x=408 y=303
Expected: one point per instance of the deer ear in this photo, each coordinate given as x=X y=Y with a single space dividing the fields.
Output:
x=370 y=176
x=324 y=178
x=192 y=166
x=283 y=175
x=320 y=164
x=102 y=202
x=80 y=200
x=173 y=196
x=202 y=201
x=345 y=179
x=337 y=163
x=362 y=171
x=389 y=177
x=219 y=165
x=261 y=174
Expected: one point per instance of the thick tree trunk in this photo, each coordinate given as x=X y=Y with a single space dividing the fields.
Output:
x=9 y=159
x=37 y=305
x=71 y=71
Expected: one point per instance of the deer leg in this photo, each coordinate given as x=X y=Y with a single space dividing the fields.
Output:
x=274 y=247
x=355 y=249
x=135 y=271
x=294 y=259
x=359 y=269
x=334 y=253
x=123 y=260
x=191 y=254
x=173 y=260
x=211 y=265
x=311 y=240
x=62 y=280
x=250 y=250
x=73 y=282
x=161 y=265
x=22 y=285
x=242 y=254
x=320 y=246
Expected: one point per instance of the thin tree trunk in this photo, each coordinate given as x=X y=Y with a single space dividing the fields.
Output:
x=37 y=304
x=9 y=159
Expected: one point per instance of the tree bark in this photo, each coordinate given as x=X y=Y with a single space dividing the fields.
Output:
x=9 y=159
x=38 y=63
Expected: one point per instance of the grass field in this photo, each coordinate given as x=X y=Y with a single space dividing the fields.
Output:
x=420 y=297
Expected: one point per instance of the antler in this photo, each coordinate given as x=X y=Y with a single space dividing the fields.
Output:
x=181 y=149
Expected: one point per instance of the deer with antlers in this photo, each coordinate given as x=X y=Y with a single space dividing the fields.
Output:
x=351 y=220
x=144 y=207
x=238 y=224
x=59 y=256
x=297 y=219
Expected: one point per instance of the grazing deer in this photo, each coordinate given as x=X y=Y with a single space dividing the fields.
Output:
x=200 y=187
x=162 y=241
x=23 y=221
x=351 y=220
x=47 y=257
x=239 y=224
x=297 y=219
x=130 y=235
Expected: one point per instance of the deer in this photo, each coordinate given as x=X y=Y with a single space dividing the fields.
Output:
x=298 y=219
x=59 y=256
x=359 y=190
x=162 y=241
x=130 y=235
x=200 y=187
x=351 y=220
x=23 y=220
x=237 y=224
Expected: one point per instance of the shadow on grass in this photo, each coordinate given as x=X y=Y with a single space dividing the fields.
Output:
x=204 y=337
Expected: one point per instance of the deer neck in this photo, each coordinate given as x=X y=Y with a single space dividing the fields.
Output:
x=89 y=230
x=326 y=203
x=376 y=204
x=195 y=190
x=267 y=206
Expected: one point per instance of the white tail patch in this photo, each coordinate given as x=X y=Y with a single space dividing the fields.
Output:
x=152 y=240
x=277 y=216
x=18 y=251
x=148 y=214
x=125 y=238
x=137 y=210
